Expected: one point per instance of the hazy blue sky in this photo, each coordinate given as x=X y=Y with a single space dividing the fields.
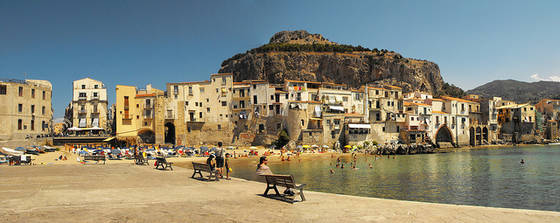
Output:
x=139 y=42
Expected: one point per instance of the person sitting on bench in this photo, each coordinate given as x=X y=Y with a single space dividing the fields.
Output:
x=210 y=161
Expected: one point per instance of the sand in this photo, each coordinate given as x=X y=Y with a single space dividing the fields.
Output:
x=123 y=192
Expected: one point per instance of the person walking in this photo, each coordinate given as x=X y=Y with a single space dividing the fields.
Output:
x=220 y=153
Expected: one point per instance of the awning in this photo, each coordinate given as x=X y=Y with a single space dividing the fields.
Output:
x=82 y=123
x=359 y=126
x=338 y=108
x=74 y=129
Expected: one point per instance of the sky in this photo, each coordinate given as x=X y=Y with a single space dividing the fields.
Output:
x=140 y=42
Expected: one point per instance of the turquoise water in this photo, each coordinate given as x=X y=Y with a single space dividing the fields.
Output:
x=482 y=177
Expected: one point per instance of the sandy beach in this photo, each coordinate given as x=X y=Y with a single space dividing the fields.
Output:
x=123 y=192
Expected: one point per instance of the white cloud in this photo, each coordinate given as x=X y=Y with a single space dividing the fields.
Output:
x=537 y=77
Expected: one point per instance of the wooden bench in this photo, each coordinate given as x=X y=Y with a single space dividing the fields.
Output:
x=161 y=161
x=141 y=160
x=199 y=167
x=287 y=181
x=95 y=158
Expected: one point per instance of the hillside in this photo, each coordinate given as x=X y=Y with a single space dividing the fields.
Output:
x=299 y=55
x=519 y=91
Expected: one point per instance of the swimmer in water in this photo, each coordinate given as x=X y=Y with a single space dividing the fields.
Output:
x=342 y=166
x=332 y=171
x=522 y=161
x=370 y=166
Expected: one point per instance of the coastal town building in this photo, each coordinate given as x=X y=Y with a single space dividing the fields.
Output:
x=517 y=122
x=87 y=112
x=255 y=112
x=25 y=109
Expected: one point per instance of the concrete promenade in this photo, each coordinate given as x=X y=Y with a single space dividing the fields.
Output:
x=128 y=193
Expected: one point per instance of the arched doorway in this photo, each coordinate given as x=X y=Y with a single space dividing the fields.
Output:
x=169 y=133
x=146 y=136
x=478 y=136
x=485 y=135
x=471 y=132
x=444 y=135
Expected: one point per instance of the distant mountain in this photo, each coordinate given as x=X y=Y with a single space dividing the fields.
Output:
x=519 y=91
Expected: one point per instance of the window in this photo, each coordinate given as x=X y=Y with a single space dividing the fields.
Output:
x=345 y=99
x=398 y=128
x=201 y=90
x=254 y=98
x=271 y=97
x=95 y=94
x=200 y=114
x=44 y=95
x=223 y=80
x=186 y=103
x=20 y=108
x=219 y=127
x=96 y=86
x=19 y=124
x=224 y=103
x=254 y=86
x=83 y=86
x=43 y=125
x=383 y=128
x=43 y=110
x=32 y=125
x=207 y=109
x=271 y=107
x=302 y=122
x=83 y=95
x=32 y=93
x=376 y=92
x=286 y=96
x=217 y=90
x=196 y=104
x=200 y=103
x=32 y=109
x=207 y=100
x=20 y=91
x=3 y=89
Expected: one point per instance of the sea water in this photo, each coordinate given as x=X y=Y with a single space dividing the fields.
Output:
x=484 y=177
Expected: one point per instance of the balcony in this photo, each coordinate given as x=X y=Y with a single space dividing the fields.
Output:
x=82 y=111
x=95 y=111
x=95 y=98
x=82 y=98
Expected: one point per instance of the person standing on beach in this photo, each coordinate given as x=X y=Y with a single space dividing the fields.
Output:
x=226 y=164
x=220 y=159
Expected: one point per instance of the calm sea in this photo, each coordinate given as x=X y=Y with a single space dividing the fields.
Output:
x=482 y=177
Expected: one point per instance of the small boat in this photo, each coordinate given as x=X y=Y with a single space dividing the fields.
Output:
x=554 y=144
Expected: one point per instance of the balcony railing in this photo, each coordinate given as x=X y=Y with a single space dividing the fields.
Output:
x=169 y=116
x=82 y=98
x=82 y=111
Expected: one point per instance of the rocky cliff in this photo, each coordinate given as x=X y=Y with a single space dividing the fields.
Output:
x=299 y=55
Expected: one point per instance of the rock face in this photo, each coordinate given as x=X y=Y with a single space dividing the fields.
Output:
x=299 y=55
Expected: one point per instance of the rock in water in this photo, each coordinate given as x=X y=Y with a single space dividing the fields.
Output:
x=299 y=55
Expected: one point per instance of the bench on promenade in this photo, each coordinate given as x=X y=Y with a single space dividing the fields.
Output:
x=96 y=158
x=199 y=167
x=162 y=162
x=287 y=181
x=139 y=159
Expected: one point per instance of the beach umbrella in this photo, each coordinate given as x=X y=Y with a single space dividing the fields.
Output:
x=314 y=146
x=348 y=146
x=325 y=146
x=299 y=147
x=305 y=146
x=252 y=147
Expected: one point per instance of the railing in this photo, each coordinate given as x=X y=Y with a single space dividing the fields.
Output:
x=82 y=98
x=82 y=111
x=169 y=116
